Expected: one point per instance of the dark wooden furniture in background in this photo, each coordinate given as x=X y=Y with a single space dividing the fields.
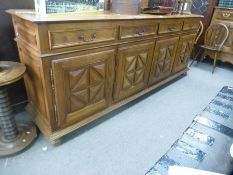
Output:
x=8 y=49
x=207 y=18
x=82 y=67
x=225 y=16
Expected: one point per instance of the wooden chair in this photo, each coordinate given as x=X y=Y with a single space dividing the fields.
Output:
x=200 y=31
x=201 y=28
x=215 y=37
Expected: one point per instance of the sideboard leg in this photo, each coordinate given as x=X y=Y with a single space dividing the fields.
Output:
x=56 y=142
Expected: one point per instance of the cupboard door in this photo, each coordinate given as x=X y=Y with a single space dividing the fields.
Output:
x=183 y=52
x=83 y=85
x=133 y=69
x=164 y=54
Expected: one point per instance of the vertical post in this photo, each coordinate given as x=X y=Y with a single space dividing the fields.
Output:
x=7 y=120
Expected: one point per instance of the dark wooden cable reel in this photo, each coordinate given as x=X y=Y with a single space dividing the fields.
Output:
x=14 y=136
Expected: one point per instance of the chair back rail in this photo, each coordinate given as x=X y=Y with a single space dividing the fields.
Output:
x=200 y=31
x=216 y=35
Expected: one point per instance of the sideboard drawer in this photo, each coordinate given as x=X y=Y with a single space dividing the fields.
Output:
x=191 y=25
x=80 y=36
x=170 y=27
x=137 y=30
x=224 y=15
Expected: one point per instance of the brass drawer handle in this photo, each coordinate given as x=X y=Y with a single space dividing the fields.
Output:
x=140 y=32
x=92 y=38
x=226 y=15
x=172 y=28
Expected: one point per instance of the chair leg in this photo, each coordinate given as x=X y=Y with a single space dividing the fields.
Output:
x=202 y=57
x=195 y=58
x=215 y=60
x=193 y=52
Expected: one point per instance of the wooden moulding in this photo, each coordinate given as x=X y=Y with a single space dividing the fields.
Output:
x=30 y=16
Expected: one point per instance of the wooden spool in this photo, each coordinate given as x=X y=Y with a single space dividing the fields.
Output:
x=14 y=136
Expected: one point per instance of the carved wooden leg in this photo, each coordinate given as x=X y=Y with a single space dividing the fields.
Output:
x=14 y=136
x=215 y=60
x=8 y=125
x=202 y=56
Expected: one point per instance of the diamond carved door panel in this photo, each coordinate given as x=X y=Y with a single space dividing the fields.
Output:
x=83 y=85
x=133 y=69
x=164 y=55
x=183 y=52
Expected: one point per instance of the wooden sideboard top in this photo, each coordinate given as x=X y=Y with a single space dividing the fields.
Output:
x=30 y=15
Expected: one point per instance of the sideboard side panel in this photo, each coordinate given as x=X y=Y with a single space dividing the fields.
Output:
x=34 y=83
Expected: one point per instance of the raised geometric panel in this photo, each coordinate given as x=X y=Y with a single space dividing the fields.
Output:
x=96 y=93
x=168 y=59
x=97 y=73
x=134 y=72
x=165 y=51
x=185 y=52
x=160 y=60
x=83 y=85
x=87 y=85
x=142 y=58
x=133 y=69
x=78 y=79
x=130 y=77
x=126 y=84
x=139 y=76
x=140 y=64
x=131 y=63
x=79 y=99
x=164 y=60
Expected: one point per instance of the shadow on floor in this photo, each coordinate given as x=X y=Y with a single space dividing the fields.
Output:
x=219 y=64
x=112 y=114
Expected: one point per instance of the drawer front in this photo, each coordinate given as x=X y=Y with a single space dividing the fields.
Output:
x=227 y=49
x=170 y=27
x=73 y=37
x=191 y=25
x=131 y=31
x=229 y=41
x=224 y=15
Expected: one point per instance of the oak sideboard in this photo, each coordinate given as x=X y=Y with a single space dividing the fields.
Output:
x=81 y=67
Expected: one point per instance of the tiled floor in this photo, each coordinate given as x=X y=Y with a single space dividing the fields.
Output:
x=130 y=140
